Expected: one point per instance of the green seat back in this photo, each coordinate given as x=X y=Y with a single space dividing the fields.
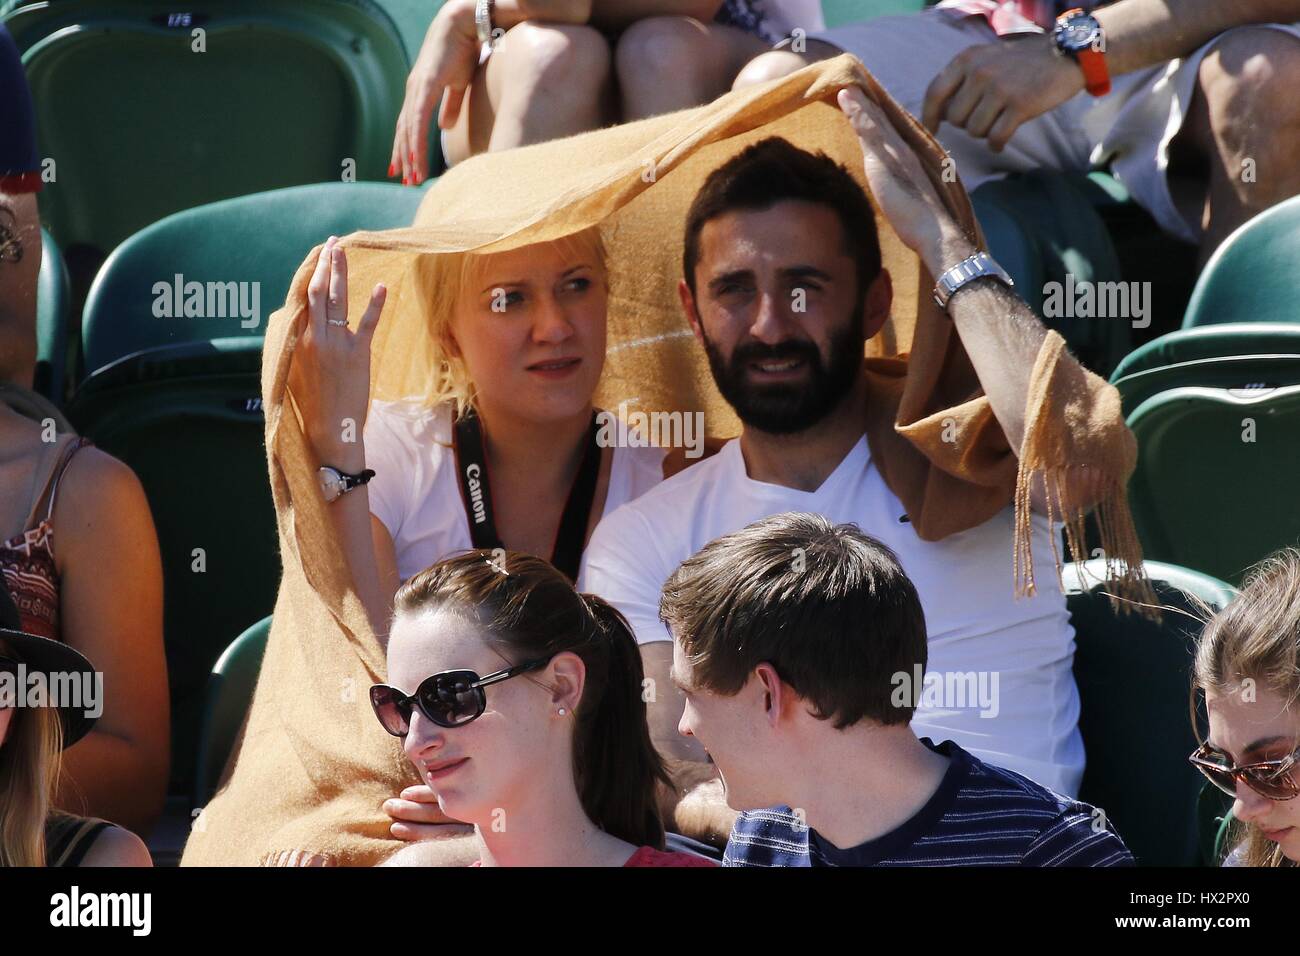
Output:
x=1134 y=677
x=1060 y=227
x=188 y=421
x=837 y=13
x=51 y=321
x=1211 y=342
x=255 y=242
x=140 y=124
x=229 y=694
x=1214 y=487
x=1229 y=356
x=1010 y=242
x=1252 y=275
x=412 y=19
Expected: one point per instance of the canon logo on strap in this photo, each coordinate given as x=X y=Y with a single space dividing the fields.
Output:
x=476 y=493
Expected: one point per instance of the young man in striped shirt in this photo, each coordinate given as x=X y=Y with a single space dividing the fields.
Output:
x=799 y=646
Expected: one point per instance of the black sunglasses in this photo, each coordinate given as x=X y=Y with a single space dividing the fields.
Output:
x=1272 y=779
x=449 y=699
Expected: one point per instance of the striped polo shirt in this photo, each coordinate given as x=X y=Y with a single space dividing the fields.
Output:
x=980 y=815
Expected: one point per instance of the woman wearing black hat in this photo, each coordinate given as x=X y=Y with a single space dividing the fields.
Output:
x=78 y=550
x=36 y=723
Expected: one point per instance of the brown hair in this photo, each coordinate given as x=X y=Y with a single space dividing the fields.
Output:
x=774 y=170
x=1257 y=637
x=826 y=605
x=531 y=610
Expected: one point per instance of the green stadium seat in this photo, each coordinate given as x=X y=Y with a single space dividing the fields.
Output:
x=256 y=242
x=412 y=19
x=1134 y=677
x=1214 y=487
x=1010 y=242
x=839 y=12
x=1229 y=356
x=187 y=419
x=1047 y=227
x=229 y=694
x=179 y=400
x=52 y=305
x=141 y=124
x=1251 y=276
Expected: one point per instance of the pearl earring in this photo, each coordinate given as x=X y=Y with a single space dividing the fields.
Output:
x=561 y=711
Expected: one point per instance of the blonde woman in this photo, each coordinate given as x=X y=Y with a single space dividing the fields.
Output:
x=502 y=451
x=32 y=738
x=1248 y=667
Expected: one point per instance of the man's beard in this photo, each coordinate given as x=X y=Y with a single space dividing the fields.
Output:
x=786 y=409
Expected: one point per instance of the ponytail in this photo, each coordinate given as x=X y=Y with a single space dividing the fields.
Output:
x=531 y=610
x=617 y=767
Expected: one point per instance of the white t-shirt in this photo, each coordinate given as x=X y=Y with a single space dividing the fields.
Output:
x=1020 y=652
x=415 y=492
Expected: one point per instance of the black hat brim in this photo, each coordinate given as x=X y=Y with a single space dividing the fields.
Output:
x=53 y=657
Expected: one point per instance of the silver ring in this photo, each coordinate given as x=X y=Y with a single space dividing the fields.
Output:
x=337 y=321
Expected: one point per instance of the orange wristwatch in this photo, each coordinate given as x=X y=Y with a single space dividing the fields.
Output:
x=1079 y=35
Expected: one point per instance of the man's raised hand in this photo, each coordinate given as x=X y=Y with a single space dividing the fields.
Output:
x=901 y=188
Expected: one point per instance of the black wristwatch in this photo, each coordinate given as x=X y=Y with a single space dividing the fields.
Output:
x=334 y=483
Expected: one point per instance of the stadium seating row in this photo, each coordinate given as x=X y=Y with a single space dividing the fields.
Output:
x=178 y=399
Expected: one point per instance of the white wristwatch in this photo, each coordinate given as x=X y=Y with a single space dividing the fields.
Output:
x=978 y=266
x=334 y=483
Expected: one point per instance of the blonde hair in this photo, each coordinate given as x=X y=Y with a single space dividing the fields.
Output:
x=1257 y=637
x=29 y=770
x=443 y=279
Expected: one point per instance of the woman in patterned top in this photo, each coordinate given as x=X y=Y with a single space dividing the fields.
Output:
x=79 y=558
x=1248 y=667
x=560 y=67
x=33 y=734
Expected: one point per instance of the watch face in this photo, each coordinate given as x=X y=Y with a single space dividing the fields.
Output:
x=1078 y=32
x=331 y=484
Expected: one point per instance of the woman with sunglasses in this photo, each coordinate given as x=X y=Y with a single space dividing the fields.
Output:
x=1248 y=667
x=519 y=701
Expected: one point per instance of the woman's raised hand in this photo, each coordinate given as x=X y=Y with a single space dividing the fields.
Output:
x=330 y=378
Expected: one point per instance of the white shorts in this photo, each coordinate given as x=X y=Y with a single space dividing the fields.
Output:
x=1130 y=128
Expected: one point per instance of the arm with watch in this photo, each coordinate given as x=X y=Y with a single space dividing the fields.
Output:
x=1000 y=333
x=329 y=380
x=991 y=89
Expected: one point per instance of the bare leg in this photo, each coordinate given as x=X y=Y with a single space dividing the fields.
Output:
x=1242 y=133
x=543 y=81
x=777 y=63
x=673 y=63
